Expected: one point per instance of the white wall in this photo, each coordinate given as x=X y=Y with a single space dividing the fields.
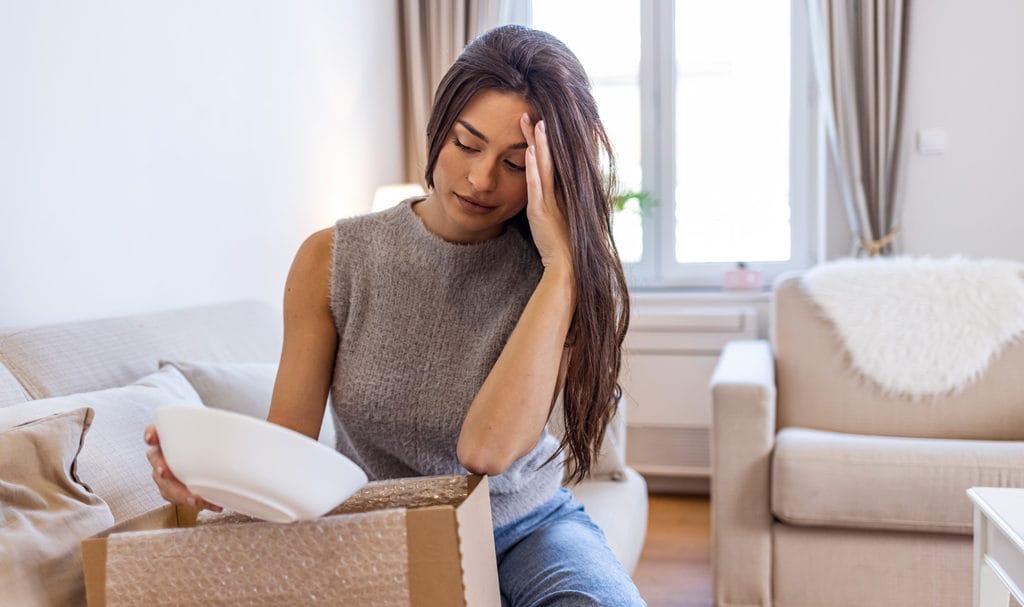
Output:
x=160 y=154
x=964 y=75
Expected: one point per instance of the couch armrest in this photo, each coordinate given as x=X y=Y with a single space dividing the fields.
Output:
x=742 y=438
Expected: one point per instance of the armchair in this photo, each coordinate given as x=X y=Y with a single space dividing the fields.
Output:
x=827 y=490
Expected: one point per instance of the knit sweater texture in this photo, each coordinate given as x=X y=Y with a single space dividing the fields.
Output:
x=421 y=322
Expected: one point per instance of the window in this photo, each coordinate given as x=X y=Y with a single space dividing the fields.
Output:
x=707 y=105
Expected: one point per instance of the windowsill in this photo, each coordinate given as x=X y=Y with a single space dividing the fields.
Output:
x=674 y=300
x=658 y=295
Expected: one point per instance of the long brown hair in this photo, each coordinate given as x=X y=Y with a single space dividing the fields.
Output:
x=540 y=68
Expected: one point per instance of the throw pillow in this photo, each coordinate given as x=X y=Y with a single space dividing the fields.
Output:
x=241 y=387
x=11 y=391
x=113 y=462
x=46 y=510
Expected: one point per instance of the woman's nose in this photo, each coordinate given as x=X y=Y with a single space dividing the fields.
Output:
x=481 y=176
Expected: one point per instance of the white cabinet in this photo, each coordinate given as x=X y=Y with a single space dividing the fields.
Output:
x=670 y=352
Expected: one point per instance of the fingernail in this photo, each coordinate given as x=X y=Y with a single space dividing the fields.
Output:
x=542 y=127
x=192 y=502
x=149 y=436
x=160 y=471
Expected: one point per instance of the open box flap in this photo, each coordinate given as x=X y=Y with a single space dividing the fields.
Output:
x=477 y=550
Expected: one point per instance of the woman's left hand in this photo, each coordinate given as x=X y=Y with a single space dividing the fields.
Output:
x=547 y=222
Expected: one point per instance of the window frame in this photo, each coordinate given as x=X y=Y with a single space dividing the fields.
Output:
x=657 y=267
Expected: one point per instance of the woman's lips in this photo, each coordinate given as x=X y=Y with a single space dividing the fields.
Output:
x=473 y=206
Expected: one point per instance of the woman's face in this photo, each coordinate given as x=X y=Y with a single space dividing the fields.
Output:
x=479 y=177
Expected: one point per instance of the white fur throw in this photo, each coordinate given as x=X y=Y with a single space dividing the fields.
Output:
x=920 y=326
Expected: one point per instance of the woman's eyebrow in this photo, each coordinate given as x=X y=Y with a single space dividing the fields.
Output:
x=522 y=145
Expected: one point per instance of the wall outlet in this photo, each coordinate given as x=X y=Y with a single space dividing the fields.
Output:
x=931 y=141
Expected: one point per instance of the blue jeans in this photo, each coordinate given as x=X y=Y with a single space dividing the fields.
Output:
x=556 y=555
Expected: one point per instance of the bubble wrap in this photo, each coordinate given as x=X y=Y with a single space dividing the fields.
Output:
x=358 y=559
x=378 y=495
x=407 y=493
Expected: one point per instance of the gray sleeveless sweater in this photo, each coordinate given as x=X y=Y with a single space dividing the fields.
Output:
x=420 y=322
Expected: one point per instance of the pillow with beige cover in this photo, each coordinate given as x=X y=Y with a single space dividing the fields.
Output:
x=113 y=461
x=11 y=392
x=46 y=510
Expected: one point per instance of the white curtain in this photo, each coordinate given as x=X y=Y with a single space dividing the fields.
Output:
x=859 y=49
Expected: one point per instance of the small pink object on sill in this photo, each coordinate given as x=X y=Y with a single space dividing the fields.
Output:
x=743 y=279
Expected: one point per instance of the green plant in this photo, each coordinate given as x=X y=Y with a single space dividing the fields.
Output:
x=645 y=202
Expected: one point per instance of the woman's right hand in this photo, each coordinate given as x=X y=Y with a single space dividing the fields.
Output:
x=171 y=489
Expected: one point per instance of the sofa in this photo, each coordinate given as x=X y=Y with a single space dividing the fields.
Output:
x=83 y=393
x=829 y=491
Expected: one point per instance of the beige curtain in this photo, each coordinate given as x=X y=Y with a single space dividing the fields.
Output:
x=859 y=49
x=433 y=33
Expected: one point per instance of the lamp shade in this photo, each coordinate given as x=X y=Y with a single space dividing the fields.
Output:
x=388 y=196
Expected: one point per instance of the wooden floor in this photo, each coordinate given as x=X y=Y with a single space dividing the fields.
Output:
x=675 y=565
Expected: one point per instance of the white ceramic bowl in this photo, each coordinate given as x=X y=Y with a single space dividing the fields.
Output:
x=253 y=466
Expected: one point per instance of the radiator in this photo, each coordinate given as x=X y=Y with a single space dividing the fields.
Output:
x=670 y=354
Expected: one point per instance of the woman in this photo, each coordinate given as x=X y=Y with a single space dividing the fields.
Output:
x=444 y=328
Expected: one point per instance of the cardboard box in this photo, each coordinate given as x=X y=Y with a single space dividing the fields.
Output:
x=421 y=542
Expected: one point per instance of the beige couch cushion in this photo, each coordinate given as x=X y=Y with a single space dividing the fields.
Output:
x=814 y=567
x=244 y=388
x=828 y=479
x=46 y=510
x=818 y=388
x=619 y=507
x=113 y=461
x=94 y=355
x=11 y=392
